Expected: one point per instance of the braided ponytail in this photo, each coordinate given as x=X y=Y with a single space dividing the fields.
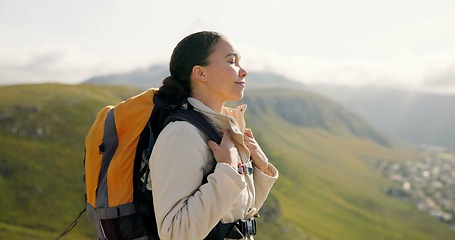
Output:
x=174 y=92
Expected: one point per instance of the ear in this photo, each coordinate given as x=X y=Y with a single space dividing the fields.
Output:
x=198 y=73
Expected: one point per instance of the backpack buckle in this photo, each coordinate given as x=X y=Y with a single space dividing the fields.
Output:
x=248 y=227
x=244 y=169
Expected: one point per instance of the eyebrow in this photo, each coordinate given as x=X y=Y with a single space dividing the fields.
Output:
x=233 y=54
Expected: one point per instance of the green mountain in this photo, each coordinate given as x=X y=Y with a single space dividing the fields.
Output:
x=328 y=188
x=309 y=110
x=42 y=130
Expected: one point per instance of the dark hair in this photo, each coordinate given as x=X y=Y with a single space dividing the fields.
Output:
x=193 y=50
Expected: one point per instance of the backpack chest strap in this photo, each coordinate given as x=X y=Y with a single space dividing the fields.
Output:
x=116 y=212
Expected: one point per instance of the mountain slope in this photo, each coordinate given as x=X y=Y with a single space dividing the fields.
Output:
x=308 y=110
x=420 y=118
x=326 y=189
x=42 y=129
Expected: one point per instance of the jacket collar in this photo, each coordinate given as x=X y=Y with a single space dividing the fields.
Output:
x=228 y=117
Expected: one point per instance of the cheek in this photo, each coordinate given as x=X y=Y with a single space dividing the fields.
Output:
x=227 y=70
x=216 y=71
x=222 y=76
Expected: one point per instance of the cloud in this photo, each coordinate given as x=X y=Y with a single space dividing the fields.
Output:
x=441 y=81
x=70 y=64
x=440 y=72
x=434 y=72
x=63 y=63
x=444 y=79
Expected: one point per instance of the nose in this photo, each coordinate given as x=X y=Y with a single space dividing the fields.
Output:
x=243 y=72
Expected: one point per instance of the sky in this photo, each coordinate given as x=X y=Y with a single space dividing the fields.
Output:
x=393 y=43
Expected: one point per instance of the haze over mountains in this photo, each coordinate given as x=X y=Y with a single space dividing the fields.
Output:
x=419 y=118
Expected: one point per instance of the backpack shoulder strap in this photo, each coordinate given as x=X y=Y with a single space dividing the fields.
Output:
x=197 y=119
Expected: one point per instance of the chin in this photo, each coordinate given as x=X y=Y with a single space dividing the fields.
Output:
x=238 y=97
x=235 y=96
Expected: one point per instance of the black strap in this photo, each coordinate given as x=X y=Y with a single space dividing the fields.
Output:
x=234 y=230
x=220 y=231
x=72 y=225
x=198 y=120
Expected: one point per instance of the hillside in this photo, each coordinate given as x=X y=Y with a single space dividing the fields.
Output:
x=313 y=111
x=42 y=130
x=327 y=188
x=420 y=118
x=328 y=183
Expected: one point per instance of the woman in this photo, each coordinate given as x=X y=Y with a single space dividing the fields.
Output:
x=205 y=71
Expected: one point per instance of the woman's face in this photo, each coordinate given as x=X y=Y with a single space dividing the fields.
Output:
x=224 y=75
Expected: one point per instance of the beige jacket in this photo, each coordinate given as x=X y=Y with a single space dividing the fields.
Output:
x=184 y=208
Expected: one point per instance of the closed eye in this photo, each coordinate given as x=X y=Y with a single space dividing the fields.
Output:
x=233 y=57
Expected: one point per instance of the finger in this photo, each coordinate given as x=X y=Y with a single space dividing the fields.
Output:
x=248 y=133
x=213 y=146
x=216 y=150
x=247 y=141
x=247 y=137
x=226 y=135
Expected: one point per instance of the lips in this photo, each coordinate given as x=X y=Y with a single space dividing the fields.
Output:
x=241 y=83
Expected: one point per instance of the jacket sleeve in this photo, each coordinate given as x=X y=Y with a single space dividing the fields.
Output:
x=184 y=208
x=263 y=183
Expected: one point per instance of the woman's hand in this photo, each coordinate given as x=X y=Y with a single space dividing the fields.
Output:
x=260 y=160
x=225 y=152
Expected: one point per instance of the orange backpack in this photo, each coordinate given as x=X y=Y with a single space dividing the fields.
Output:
x=118 y=147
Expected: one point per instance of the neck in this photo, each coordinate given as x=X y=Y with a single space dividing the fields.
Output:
x=216 y=106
